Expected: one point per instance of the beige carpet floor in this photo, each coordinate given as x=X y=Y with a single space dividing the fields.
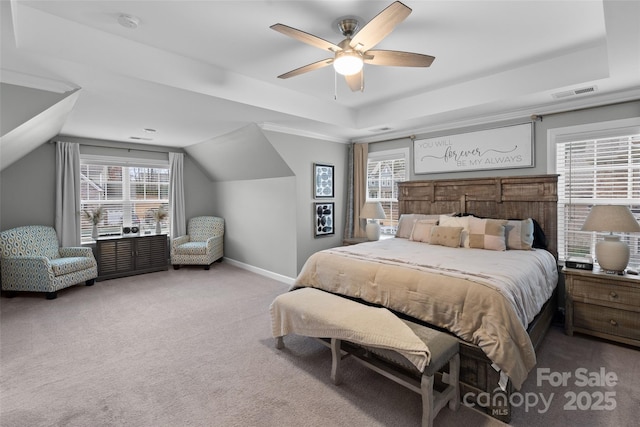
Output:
x=193 y=348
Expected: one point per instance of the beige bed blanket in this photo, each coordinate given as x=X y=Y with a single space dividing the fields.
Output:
x=447 y=287
x=319 y=314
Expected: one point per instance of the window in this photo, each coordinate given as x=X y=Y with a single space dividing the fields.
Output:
x=596 y=167
x=129 y=194
x=384 y=170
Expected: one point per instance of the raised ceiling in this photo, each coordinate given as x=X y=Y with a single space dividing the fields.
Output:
x=196 y=70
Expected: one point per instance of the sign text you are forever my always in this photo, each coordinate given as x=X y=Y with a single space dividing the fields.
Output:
x=500 y=148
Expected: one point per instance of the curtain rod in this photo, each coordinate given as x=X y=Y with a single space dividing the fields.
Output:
x=111 y=145
x=536 y=117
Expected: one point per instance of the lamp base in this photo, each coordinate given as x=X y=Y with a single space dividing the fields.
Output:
x=373 y=230
x=612 y=254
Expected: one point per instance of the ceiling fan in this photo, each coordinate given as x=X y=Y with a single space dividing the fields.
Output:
x=356 y=49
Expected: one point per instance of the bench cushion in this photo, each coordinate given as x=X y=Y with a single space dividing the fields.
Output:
x=316 y=313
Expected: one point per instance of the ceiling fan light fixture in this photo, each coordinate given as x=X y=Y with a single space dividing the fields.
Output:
x=348 y=63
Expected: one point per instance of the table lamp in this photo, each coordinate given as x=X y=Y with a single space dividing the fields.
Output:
x=374 y=212
x=611 y=253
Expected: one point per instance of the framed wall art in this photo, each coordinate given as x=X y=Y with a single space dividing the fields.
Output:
x=322 y=181
x=323 y=219
x=506 y=147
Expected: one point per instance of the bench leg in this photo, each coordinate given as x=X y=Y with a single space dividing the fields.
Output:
x=454 y=376
x=336 y=358
x=426 y=389
x=279 y=343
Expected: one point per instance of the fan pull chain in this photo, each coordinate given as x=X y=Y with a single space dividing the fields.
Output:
x=335 y=86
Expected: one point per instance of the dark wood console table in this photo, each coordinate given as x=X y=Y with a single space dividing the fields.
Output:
x=120 y=256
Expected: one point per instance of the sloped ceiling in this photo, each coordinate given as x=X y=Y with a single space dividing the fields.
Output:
x=197 y=70
x=243 y=154
x=35 y=131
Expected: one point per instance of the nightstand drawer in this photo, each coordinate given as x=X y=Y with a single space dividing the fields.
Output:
x=587 y=290
x=607 y=320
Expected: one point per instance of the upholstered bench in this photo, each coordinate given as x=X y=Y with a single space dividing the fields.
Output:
x=392 y=347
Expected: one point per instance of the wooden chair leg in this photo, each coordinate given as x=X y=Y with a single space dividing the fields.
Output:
x=336 y=358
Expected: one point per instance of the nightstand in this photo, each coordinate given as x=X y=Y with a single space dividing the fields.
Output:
x=603 y=305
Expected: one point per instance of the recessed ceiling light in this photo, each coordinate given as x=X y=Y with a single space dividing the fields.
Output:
x=149 y=130
x=128 y=21
x=139 y=138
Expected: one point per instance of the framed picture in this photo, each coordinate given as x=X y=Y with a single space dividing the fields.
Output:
x=322 y=181
x=506 y=147
x=323 y=219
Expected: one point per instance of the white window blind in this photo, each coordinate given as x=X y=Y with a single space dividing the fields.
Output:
x=129 y=194
x=596 y=171
x=384 y=171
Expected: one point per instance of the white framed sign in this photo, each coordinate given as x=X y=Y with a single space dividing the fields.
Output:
x=506 y=147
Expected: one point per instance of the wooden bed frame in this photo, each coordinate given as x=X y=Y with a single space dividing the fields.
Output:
x=501 y=197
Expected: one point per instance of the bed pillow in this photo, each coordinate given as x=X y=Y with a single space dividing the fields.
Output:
x=407 y=221
x=422 y=230
x=487 y=233
x=519 y=234
x=452 y=221
x=446 y=236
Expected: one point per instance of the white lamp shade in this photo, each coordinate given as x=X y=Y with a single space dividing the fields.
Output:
x=611 y=253
x=611 y=218
x=372 y=210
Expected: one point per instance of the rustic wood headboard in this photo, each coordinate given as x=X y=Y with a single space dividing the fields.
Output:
x=520 y=197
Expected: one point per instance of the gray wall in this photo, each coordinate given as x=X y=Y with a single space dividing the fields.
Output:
x=269 y=221
x=20 y=104
x=27 y=189
x=558 y=120
x=301 y=153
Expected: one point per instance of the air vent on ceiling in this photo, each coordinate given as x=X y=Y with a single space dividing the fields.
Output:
x=574 y=92
x=382 y=129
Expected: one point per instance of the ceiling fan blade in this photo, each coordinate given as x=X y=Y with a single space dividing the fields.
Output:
x=307 y=68
x=380 y=26
x=306 y=37
x=356 y=81
x=397 y=58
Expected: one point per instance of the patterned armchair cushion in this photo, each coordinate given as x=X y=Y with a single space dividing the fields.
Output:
x=202 y=245
x=31 y=260
x=68 y=265
x=202 y=228
x=192 y=248
x=32 y=240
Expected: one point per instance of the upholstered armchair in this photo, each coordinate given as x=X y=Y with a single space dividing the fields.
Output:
x=31 y=260
x=202 y=245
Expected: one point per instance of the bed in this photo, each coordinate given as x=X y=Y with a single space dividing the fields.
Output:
x=498 y=303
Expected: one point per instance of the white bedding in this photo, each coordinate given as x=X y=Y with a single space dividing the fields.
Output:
x=485 y=297
x=526 y=278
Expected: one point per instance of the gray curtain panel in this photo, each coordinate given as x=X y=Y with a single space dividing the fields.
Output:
x=67 y=219
x=176 y=195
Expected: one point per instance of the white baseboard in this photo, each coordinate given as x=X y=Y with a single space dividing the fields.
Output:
x=275 y=276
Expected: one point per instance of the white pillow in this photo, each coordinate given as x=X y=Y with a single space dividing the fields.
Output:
x=407 y=221
x=519 y=234
x=457 y=221
x=422 y=230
